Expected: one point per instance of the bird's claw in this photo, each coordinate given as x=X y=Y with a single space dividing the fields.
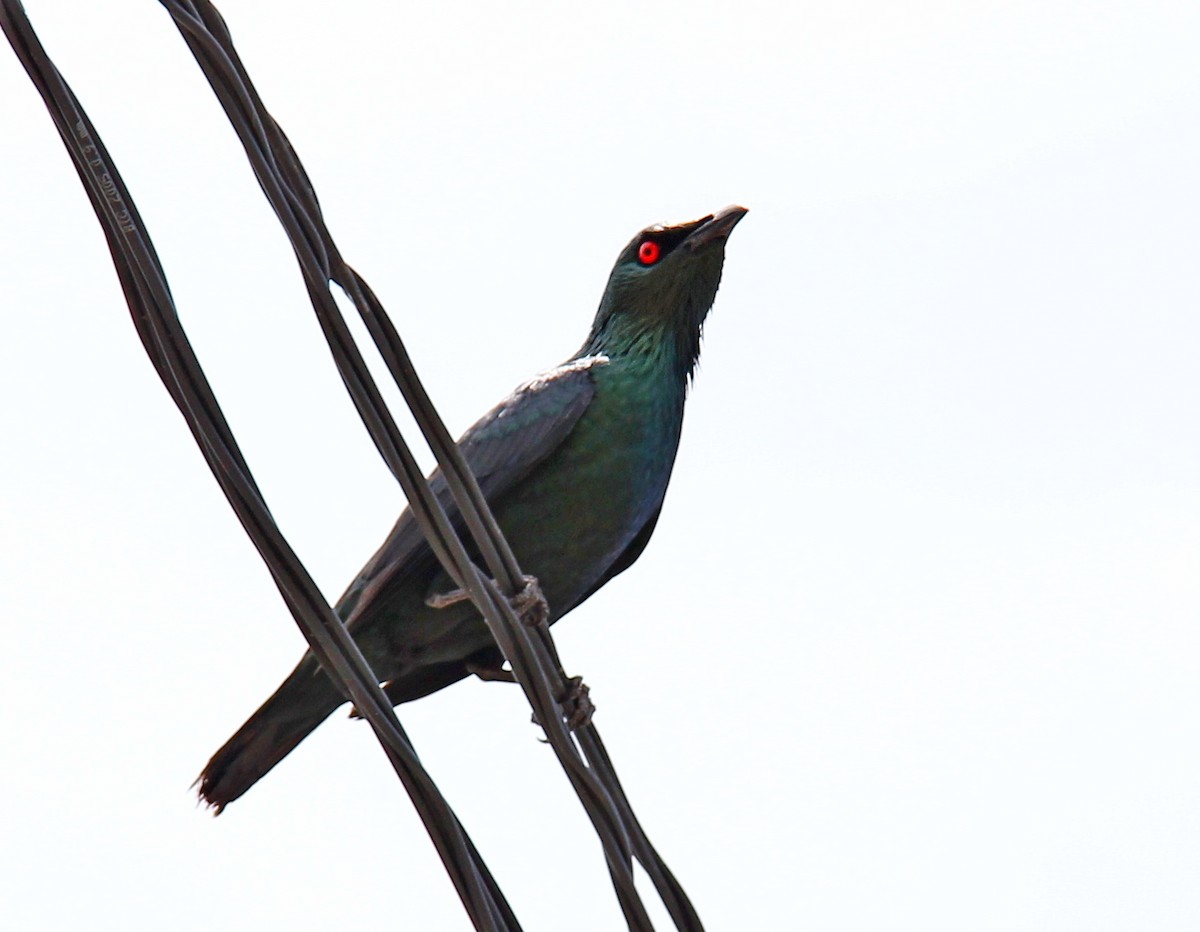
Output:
x=529 y=604
x=576 y=705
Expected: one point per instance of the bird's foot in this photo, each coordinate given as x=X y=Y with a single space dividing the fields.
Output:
x=577 y=706
x=575 y=701
x=446 y=599
x=529 y=604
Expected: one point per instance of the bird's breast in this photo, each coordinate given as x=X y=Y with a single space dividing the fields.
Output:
x=571 y=519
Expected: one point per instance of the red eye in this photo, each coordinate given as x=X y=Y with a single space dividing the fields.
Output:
x=649 y=252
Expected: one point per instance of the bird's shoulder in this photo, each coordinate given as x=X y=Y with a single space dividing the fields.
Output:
x=531 y=422
x=550 y=395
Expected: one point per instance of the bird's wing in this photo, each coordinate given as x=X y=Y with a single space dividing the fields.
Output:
x=501 y=448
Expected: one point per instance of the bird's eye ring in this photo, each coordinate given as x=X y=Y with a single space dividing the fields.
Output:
x=649 y=252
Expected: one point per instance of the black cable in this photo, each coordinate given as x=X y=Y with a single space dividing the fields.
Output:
x=529 y=650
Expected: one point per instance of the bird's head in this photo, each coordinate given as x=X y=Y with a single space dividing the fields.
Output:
x=662 y=288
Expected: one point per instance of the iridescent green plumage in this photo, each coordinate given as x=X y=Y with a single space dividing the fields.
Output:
x=575 y=464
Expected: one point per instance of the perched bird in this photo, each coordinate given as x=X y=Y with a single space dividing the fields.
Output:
x=574 y=464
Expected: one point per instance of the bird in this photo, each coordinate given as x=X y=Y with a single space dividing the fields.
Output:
x=574 y=464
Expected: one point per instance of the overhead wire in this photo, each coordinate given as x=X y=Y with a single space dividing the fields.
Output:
x=521 y=633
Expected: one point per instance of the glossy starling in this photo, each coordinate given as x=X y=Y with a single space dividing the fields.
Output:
x=574 y=463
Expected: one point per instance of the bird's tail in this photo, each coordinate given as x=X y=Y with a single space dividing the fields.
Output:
x=300 y=704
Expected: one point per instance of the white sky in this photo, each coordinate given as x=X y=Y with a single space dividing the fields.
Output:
x=916 y=644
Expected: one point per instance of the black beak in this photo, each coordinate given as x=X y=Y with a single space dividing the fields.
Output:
x=714 y=228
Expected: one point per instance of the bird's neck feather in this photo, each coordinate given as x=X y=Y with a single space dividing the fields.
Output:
x=662 y=348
